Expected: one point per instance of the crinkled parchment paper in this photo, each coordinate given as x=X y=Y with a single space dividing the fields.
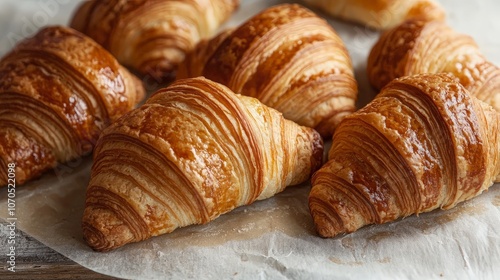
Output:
x=275 y=238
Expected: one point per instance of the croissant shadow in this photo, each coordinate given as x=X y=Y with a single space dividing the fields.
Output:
x=286 y=213
x=422 y=224
x=366 y=92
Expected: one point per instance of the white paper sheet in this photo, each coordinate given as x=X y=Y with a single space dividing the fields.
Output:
x=275 y=238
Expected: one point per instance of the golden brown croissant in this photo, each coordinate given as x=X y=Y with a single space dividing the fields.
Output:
x=289 y=59
x=423 y=143
x=381 y=14
x=58 y=90
x=194 y=151
x=416 y=47
x=151 y=36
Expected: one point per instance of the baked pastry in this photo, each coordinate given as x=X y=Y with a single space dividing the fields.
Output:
x=423 y=143
x=194 y=151
x=416 y=47
x=58 y=90
x=381 y=14
x=288 y=58
x=151 y=36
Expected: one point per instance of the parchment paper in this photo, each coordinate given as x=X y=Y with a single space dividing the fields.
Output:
x=275 y=238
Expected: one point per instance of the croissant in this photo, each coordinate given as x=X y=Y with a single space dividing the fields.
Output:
x=58 y=90
x=151 y=36
x=289 y=59
x=432 y=47
x=194 y=151
x=381 y=14
x=423 y=143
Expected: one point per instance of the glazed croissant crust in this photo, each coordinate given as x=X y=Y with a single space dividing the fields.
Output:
x=381 y=14
x=416 y=47
x=289 y=59
x=423 y=143
x=194 y=151
x=151 y=36
x=58 y=90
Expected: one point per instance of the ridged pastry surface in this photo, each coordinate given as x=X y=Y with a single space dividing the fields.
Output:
x=194 y=151
x=58 y=90
x=416 y=47
x=423 y=143
x=151 y=36
x=288 y=58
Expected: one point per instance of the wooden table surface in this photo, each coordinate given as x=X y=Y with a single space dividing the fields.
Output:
x=37 y=261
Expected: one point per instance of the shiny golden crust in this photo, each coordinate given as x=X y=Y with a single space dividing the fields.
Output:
x=381 y=14
x=151 y=36
x=423 y=143
x=58 y=90
x=289 y=59
x=194 y=151
x=416 y=47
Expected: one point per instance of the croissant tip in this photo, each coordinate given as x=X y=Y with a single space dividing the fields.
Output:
x=103 y=231
x=95 y=238
x=427 y=11
x=325 y=227
x=325 y=217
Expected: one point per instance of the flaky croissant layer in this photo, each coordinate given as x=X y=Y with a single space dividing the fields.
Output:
x=417 y=46
x=288 y=58
x=151 y=36
x=194 y=151
x=423 y=143
x=58 y=90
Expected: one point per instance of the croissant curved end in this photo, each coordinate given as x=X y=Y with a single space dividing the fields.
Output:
x=106 y=231
x=330 y=210
x=322 y=215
